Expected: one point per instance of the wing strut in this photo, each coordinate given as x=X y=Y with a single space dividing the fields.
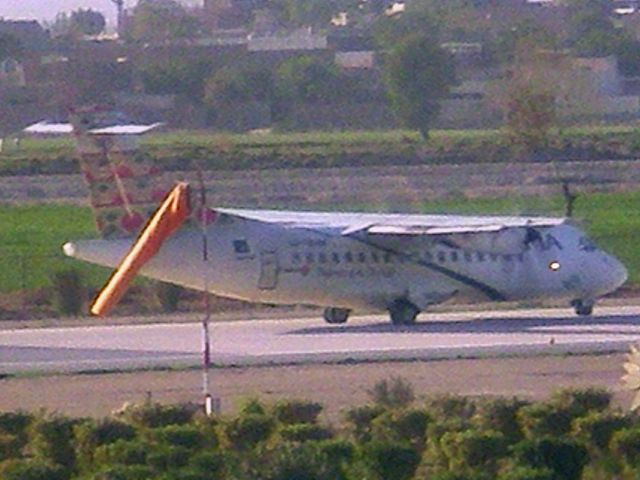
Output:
x=171 y=214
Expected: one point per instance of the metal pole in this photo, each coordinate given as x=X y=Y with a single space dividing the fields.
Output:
x=210 y=405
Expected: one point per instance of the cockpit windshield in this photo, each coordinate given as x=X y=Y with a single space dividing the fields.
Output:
x=587 y=245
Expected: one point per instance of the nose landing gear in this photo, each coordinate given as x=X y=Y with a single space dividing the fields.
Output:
x=336 y=315
x=583 y=307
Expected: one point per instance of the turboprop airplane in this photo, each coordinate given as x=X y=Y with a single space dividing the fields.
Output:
x=344 y=262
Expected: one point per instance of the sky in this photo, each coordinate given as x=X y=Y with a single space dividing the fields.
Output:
x=47 y=9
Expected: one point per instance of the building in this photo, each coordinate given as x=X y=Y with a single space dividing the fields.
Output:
x=29 y=33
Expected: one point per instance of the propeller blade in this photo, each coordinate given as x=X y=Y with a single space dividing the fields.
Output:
x=171 y=214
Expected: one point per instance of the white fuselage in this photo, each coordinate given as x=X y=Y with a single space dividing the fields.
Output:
x=279 y=264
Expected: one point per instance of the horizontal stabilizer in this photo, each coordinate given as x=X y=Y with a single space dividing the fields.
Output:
x=46 y=128
x=49 y=128
x=171 y=214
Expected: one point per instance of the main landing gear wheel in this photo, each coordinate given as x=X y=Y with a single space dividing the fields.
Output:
x=403 y=312
x=336 y=315
x=582 y=307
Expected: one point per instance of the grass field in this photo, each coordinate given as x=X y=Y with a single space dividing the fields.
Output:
x=179 y=150
x=32 y=236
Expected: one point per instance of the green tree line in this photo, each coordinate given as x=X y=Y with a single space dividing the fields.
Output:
x=576 y=434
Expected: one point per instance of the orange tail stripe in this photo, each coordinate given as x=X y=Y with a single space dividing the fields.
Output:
x=167 y=219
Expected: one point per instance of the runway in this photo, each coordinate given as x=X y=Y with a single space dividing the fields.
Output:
x=309 y=340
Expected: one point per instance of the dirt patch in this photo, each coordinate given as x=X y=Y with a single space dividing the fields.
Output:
x=338 y=387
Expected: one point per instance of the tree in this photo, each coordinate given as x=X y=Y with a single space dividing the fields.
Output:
x=87 y=22
x=310 y=12
x=307 y=79
x=502 y=48
x=418 y=74
x=10 y=46
x=388 y=31
x=78 y=23
x=179 y=76
x=537 y=87
x=163 y=21
x=239 y=84
x=592 y=32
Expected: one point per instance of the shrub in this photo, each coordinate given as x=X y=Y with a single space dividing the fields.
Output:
x=526 y=473
x=564 y=457
x=210 y=463
x=299 y=462
x=153 y=415
x=390 y=460
x=31 y=470
x=51 y=440
x=91 y=435
x=302 y=432
x=597 y=428
x=471 y=449
x=247 y=430
x=455 y=476
x=337 y=450
x=69 y=292
x=500 y=415
x=626 y=444
x=167 y=457
x=13 y=433
x=122 y=452
x=361 y=418
x=296 y=411
x=582 y=401
x=395 y=392
x=125 y=472
x=253 y=406
x=10 y=446
x=15 y=423
x=169 y=296
x=542 y=419
x=188 y=436
x=450 y=407
x=402 y=425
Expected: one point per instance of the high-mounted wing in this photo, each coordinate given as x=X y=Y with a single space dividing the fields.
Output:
x=491 y=234
x=395 y=223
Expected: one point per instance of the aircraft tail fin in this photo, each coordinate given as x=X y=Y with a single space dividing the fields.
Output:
x=124 y=184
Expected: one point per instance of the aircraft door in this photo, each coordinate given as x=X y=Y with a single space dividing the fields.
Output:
x=268 y=279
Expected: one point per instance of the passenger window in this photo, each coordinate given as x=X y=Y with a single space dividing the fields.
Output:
x=480 y=256
x=387 y=257
x=241 y=246
x=362 y=257
x=442 y=257
x=322 y=257
x=348 y=257
x=310 y=258
x=335 y=257
x=454 y=256
x=468 y=257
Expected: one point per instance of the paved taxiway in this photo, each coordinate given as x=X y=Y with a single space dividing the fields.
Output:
x=367 y=338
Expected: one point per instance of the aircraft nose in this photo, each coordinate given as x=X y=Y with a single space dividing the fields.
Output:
x=617 y=273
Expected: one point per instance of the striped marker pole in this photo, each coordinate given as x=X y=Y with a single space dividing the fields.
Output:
x=209 y=407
